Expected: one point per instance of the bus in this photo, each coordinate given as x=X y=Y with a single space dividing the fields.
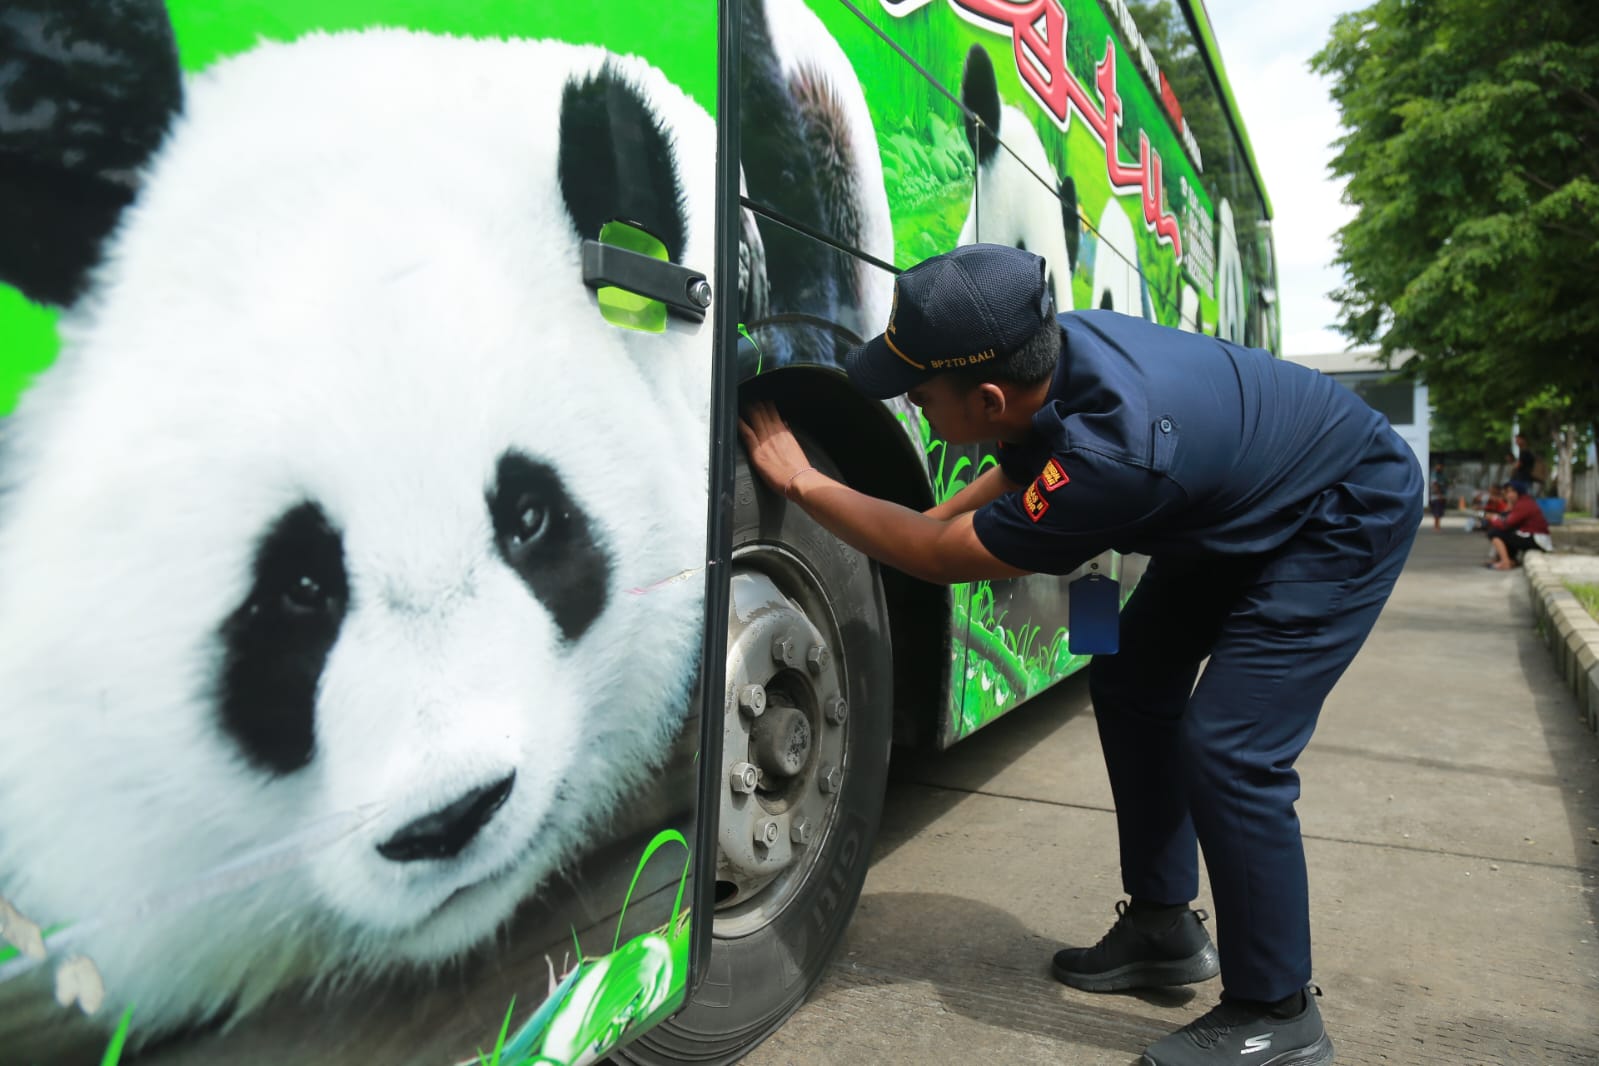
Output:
x=400 y=662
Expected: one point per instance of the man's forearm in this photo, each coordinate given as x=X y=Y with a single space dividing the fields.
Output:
x=988 y=486
x=907 y=540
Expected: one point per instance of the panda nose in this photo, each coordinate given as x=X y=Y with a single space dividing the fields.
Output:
x=442 y=834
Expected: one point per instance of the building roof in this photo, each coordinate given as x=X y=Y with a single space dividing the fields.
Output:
x=1363 y=359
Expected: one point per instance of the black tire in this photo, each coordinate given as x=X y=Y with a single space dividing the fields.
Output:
x=755 y=980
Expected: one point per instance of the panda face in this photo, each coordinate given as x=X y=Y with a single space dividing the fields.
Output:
x=335 y=506
x=308 y=683
x=277 y=643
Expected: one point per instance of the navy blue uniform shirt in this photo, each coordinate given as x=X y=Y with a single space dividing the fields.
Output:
x=1182 y=446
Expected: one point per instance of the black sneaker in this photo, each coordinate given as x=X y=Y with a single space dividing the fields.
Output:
x=1245 y=1035
x=1142 y=951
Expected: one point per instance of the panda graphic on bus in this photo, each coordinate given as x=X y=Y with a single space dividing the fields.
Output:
x=341 y=619
x=353 y=536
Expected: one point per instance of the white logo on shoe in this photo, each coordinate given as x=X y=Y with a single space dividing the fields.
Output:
x=1256 y=1043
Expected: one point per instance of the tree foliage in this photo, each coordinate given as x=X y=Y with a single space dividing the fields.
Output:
x=1472 y=157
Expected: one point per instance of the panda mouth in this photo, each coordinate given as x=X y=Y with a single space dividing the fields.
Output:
x=461 y=896
x=464 y=892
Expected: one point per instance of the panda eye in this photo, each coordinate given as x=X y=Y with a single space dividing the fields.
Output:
x=278 y=640
x=304 y=595
x=530 y=522
x=544 y=536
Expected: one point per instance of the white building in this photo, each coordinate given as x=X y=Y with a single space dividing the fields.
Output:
x=1403 y=402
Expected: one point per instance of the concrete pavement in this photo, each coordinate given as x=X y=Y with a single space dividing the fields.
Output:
x=1451 y=816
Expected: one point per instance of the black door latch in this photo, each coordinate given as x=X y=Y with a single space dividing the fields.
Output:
x=685 y=292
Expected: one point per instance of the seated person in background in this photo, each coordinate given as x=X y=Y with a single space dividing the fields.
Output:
x=1487 y=504
x=1521 y=527
x=1495 y=502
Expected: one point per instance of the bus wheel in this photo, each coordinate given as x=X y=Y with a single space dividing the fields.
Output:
x=806 y=732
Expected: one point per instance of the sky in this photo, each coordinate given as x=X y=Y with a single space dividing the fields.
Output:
x=1292 y=122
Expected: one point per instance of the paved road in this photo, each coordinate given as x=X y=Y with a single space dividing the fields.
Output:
x=1451 y=816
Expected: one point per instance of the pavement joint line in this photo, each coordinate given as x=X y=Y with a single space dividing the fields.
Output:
x=1526 y=777
x=1384 y=844
x=1541 y=864
x=1019 y=799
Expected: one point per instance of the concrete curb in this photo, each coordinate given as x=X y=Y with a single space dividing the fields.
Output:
x=1569 y=631
x=1576 y=534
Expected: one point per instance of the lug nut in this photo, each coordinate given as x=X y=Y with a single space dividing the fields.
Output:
x=766 y=833
x=837 y=710
x=800 y=831
x=818 y=658
x=752 y=700
x=744 y=777
x=832 y=777
x=783 y=651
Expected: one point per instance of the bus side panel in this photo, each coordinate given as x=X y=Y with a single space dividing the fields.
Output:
x=1083 y=163
x=1065 y=139
x=352 y=554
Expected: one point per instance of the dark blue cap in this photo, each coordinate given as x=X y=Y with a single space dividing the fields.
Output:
x=964 y=308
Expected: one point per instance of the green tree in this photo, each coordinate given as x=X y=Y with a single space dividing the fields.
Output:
x=1472 y=157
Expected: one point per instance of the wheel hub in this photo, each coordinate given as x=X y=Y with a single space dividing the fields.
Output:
x=783 y=740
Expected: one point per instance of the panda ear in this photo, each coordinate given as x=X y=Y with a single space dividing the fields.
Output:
x=1068 y=218
x=617 y=161
x=980 y=95
x=87 y=89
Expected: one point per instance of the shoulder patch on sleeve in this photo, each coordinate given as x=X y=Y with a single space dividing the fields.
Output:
x=1034 y=503
x=1054 y=476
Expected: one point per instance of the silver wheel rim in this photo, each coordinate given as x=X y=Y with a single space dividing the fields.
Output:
x=784 y=740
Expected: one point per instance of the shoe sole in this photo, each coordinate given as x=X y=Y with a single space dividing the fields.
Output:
x=1200 y=966
x=1318 y=1054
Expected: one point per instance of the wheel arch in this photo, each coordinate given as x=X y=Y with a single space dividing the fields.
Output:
x=876 y=457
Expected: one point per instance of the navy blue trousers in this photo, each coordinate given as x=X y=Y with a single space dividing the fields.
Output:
x=1214 y=763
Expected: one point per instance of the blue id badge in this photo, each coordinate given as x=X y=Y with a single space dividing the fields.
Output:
x=1094 y=618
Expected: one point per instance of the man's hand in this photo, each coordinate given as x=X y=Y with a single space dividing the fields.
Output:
x=933 y=549
x=774 y=452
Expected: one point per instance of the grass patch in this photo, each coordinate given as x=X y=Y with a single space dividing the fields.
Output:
x=1588 y=595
